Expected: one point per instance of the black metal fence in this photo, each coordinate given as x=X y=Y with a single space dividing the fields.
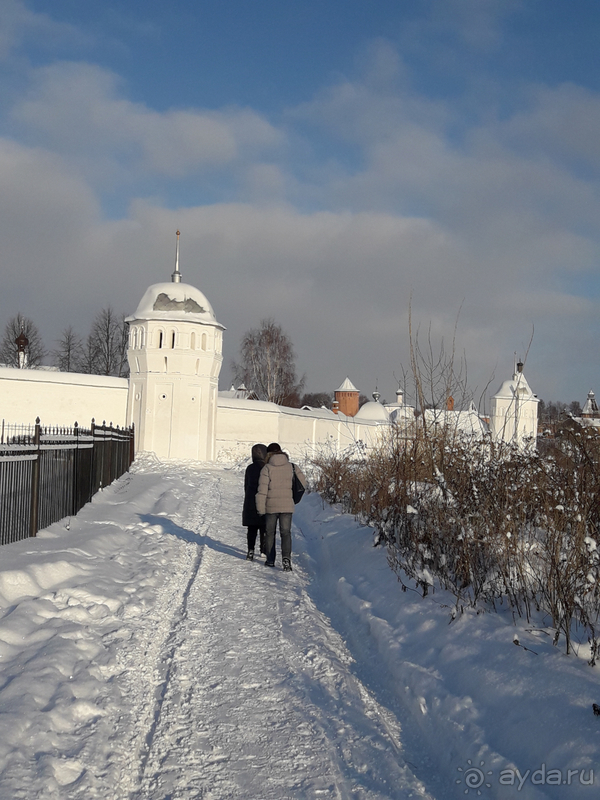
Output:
x=47 y=474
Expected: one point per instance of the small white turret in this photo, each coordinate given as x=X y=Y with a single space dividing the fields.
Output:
x=175 y=356
x=514 y=411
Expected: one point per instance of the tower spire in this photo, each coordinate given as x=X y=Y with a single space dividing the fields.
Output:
x=176 y=275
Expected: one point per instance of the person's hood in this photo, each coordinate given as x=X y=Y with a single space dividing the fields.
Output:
x=278 y=459
x=259 y=452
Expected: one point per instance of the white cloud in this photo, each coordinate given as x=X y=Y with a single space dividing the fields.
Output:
x=478 y=24
x=79 y=109
x=17 y=22
x=560 y=122
x=480 y=219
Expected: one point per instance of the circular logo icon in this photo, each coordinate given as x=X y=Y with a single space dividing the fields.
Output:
x=474 y=777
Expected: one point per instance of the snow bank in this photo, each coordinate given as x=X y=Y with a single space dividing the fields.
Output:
x=481 y=707
x=141 y=656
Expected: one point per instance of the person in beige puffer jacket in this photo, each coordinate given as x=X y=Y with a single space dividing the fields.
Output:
x=274 y=498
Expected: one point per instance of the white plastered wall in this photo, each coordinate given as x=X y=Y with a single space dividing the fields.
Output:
x=242 y=423
x=61 y=398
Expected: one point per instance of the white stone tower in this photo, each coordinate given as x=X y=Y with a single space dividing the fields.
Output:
x=514 y=411
x=175 y=356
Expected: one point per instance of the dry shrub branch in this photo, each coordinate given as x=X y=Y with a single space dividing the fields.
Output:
x=494 y=524
x=491 y=524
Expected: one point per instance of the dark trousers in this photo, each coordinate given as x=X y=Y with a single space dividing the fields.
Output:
x=252 y=533
x=285 y=531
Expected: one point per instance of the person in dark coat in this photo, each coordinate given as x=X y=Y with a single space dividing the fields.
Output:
x=251 y=519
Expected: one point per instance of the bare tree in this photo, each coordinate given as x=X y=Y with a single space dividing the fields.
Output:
x=123 y=346
x=89 y=356
x=34 y=351
x=267 y=364
x=438 y=373
x=317 y=399
x=575 y=408
x=106 y=346
x=68 y=356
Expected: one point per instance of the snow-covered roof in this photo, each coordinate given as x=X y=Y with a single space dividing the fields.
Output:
x=467 y=421
x=241 y=393
x=401 y=414
x=372 y=412
x=347 y=386
x=176 y=302
x=588 y=422
x=225 y=400
x=516 y=385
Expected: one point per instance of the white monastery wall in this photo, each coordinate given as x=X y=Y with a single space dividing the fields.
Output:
x=242 y=423
x=61 y=398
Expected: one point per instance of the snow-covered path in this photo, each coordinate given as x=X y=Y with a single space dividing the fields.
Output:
x=143 y=658
x=256 y=699
x=170 y=667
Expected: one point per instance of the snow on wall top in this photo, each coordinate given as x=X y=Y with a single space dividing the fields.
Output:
x=66 y=378
x=176 y=302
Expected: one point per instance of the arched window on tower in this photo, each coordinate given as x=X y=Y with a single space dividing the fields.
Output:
x=172 y=340
x=204 y=341
x=193 y=341
x=160 y=338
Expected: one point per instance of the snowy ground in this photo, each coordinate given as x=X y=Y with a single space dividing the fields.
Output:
x=142 y=658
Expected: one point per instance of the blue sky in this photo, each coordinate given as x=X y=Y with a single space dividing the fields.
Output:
x=325 y=162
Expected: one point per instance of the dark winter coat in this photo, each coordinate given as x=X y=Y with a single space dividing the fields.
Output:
x=250 y=515
x=275 y=485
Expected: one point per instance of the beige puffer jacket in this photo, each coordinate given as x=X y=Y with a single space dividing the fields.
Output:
x=275 y=486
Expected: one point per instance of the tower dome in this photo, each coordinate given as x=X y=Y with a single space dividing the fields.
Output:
x=175 y=302
x=373 y=411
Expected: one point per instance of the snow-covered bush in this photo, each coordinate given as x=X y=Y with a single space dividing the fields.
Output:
x=493 y=524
